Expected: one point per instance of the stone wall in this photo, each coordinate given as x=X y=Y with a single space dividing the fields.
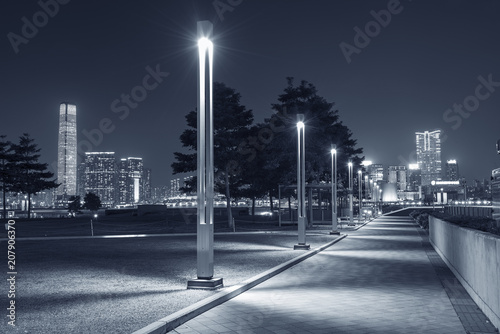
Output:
x=474 y=258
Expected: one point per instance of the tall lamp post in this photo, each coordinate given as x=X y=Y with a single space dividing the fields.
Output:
x=381 y=201
x=351 y=218
x=433 y=183
x=205 y=173
x=334 y=190
x=360 y=197
x=301 y=183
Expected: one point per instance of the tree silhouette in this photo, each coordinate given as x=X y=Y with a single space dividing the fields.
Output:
x=7 y=158
x=29 y=175
x=231 y=125
x=74 y=205
x=92 y=202
x=322 y=128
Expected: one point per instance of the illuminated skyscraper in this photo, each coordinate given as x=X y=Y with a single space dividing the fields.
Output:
x=451 y=170
x=130 y=181
x=66 y=152
x=376 y=172
x=429 y=155
x=135 y=169
x=397 y=175
x=100 y=176
x=146 y=185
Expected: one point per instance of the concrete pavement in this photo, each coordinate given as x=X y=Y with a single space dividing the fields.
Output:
x=383 y=278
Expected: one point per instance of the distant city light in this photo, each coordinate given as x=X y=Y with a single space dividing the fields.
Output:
x=446 y=183
x=413 y=166
x=452 y=162
x=367 y=163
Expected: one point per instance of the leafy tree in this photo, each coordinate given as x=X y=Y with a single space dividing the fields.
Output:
x=7 y=158
x=253 y=175
x=74 y=205
x=92 y=202
x=29 y=175
x=322 y=128
x=231 y=125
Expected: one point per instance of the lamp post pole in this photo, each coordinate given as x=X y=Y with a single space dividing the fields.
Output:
x=360 y=197
x=432 y=191
x=381 y=201
x=205 y=172
x=301 y=184
x=334 y=190
x=351 y=218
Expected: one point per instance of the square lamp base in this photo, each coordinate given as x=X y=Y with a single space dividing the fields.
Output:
x=206 y=284
x=301 y=247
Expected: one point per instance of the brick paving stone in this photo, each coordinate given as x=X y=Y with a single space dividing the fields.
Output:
x=382 y=278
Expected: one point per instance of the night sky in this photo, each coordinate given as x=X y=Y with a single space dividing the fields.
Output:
x=430 y=56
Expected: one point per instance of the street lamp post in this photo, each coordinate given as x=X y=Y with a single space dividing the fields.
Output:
x=366 y=185
x=334 y=190
x=381 y=201
x=432 y=191
x=301 y=184
x=360 y=197
x=351 y=218
x=205 y=173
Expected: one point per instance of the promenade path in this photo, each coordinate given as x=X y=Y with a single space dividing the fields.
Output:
x=383 y=278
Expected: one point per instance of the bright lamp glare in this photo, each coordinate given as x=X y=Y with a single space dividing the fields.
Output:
x=333 y=151
x=300 y=125
x=204 y=43
x=350 y=164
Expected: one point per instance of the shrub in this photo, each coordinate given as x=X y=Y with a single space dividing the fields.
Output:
x=484 y=224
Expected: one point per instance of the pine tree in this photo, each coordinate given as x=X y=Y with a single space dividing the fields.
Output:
x=29 y=175
x=231 y=125
x=6 y=176
x=322 y=128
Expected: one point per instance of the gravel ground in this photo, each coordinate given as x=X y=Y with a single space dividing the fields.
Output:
x=121 y=285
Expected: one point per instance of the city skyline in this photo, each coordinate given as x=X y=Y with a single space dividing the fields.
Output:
x=132 y=74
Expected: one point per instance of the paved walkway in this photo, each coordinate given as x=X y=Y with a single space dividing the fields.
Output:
x=380 y=279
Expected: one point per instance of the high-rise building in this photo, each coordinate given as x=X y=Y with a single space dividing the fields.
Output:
x=146 y=185
x=80 y=184
x=397 y=175
x=122 y=182
x=451 y=170
x=429 y=155
x=135 y=170
x=413 y=178
x=175 y=185
x=130 y=181
x=66 y=153
x=375 y=172
x=100 y=176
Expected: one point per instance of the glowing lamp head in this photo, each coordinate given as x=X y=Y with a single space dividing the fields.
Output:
x=349 y=164
x=333 y=151
x=204 y=43
x=300 y=125
x=433 y=182
x=359 y=171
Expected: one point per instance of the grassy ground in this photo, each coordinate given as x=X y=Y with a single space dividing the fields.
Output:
x=106 y=285
x=157 y=223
